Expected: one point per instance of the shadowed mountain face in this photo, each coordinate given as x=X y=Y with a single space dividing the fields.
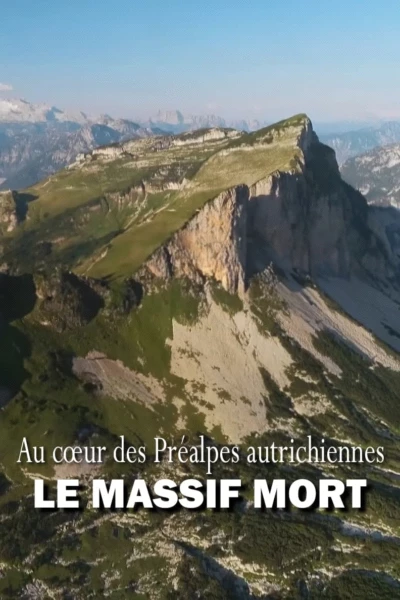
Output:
x=212 y=283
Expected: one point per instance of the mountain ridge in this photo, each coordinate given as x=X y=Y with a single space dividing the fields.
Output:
x=353 y=143
x=175 y=121
x=17 y=110
x=315 y=234
x=215 y=283
x=376 y=174
x=31 y=150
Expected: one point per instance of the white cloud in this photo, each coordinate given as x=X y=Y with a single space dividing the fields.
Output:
x=5 y=87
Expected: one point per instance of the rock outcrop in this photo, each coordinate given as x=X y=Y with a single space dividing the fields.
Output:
x=66 y=301
x=8 y=212
x=212 y=244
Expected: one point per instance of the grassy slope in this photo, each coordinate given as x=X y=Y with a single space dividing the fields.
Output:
x=52 y=407
x=68 y=201
x=241 y=161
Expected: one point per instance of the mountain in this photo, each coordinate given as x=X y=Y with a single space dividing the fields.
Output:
x=377 y=175
x=213 y=283
x=36 y=140
x=354 y=143
x=175 y=122
x=330 y=128
x=126 y=128
x=20 y=111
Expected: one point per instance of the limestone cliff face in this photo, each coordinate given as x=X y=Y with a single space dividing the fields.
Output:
x=309 y=219
x=301 y=229
x=277 y=217
x=306 y=218
x=384 y=221
x=212 y=244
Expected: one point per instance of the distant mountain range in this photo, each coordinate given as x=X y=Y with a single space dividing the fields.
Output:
x=16 y=110
x=354 y=143
x=36 y=139
x=174 y=121
x=376 y=174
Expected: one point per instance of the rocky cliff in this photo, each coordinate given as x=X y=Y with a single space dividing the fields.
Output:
x=305 y=218
x=8 y=212
x=217 y=204
x=212 y=244
x=309 y=219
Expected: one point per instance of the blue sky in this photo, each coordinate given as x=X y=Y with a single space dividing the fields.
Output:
x=334 y=60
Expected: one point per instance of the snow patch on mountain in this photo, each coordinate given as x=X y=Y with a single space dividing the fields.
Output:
x=376 y=174
x=20 y=111
x=36 y=139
